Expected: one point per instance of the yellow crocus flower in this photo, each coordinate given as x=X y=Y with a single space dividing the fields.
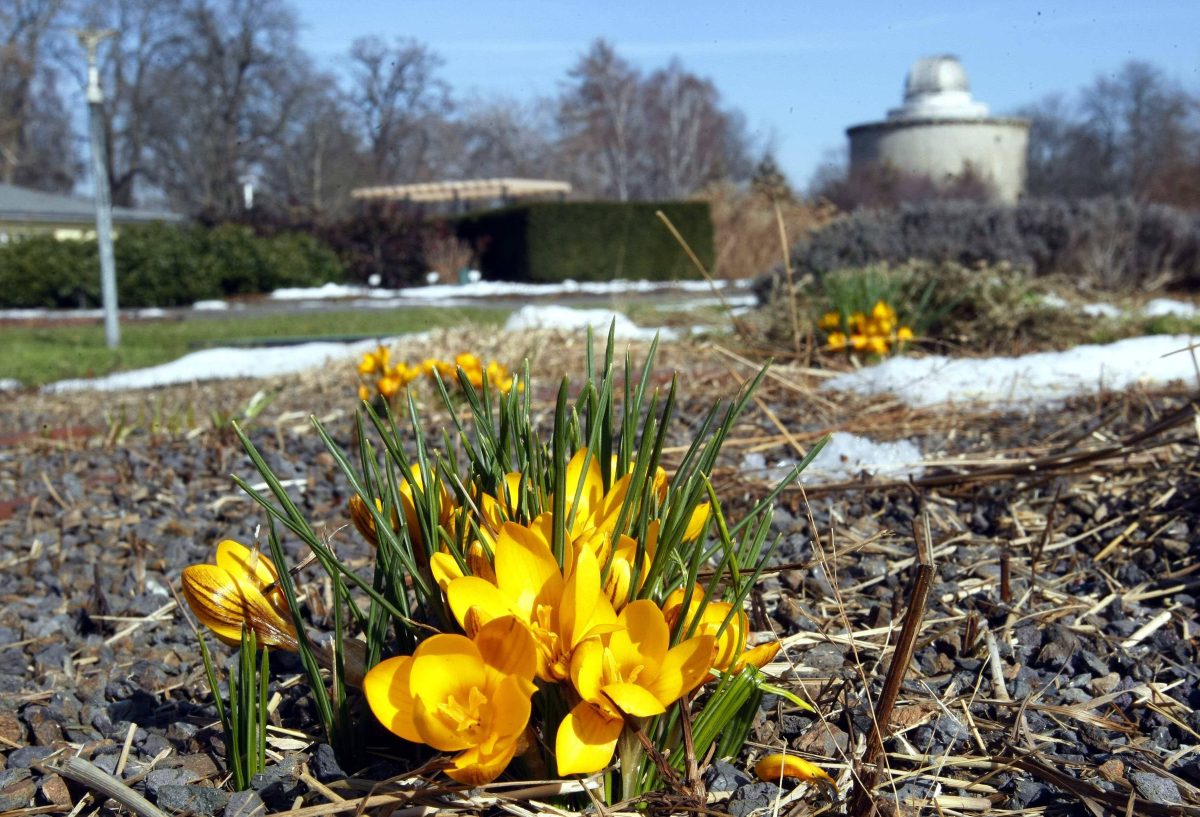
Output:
x=836 y=341
x=730 y=651
x=559 y=611
x=240 y=590
x=631 y=671
x=459 y=694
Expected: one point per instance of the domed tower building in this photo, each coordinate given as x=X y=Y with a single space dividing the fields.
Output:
x=941 y=132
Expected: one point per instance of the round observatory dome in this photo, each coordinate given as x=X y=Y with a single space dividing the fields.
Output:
x=941 y=132
x=937 y=88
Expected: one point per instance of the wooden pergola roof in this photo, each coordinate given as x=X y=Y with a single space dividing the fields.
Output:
x=463 y=190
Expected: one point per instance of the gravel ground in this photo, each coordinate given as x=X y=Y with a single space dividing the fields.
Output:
x=1054 y=668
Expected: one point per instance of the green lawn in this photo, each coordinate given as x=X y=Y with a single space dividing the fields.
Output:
x=37 y=355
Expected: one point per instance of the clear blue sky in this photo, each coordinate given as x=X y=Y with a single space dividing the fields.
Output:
x=801 y=72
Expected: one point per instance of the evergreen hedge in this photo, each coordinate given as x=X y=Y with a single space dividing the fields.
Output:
x=162 y=265
x=588 y=241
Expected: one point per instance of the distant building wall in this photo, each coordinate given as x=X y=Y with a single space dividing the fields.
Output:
x=995 y=148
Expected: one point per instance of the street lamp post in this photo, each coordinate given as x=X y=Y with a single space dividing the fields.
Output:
x=90 y=39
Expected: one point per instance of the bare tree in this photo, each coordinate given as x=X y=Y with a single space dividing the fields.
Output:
x=504 y=137
x=317 y=158
x=226 y=94
x=1126 y=134
x=36 y=146
x=136 y=75
x=401 y=105
x=690 y=140
x=598 y=115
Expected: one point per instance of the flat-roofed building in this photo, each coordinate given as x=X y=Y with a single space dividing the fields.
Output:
x=25 y=212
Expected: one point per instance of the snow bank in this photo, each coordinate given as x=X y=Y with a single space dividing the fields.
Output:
x=561 y=317
x=1036 y=379
x=223 y=364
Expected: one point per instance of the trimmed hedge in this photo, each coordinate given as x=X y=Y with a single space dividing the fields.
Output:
x=162 y=265
x=588 y=241
x=1112 y=243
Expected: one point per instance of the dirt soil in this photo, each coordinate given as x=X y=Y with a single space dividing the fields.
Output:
x=1050 y=669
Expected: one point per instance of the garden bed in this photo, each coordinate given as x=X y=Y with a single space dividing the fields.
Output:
x=1053 y=667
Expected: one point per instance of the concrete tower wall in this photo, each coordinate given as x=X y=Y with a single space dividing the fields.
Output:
x=940 y=148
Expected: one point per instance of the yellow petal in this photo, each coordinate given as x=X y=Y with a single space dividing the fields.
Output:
x=587 y=669
x=579 y=598
x=216 y=601
x=586 y=740
x=445 y=569
x=473 y=592
x=633 y=699
x=758 y=656
x=388 y=694
x=362 y=519
x=510 y=707
x=587 y=484
x=506 y=646
x=774 y=768
x=473 y=768
x=697 y=522
x=684 y=668
x=237 y=558
x=526 y=570
x=645 y=634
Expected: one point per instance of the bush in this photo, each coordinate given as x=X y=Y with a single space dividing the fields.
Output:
x=1106 y=243
x=746 y=230
x=41 y=271
x=589 y=241
x=386 y=240
x=162 y=265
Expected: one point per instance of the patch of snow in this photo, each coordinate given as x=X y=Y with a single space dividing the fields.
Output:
x=1031 y=380
x=210 y=306
x=845 y=457
x=9 y=384
x=150 y=312
x=734 y=302
x=222 y=364
x=533 y=316
x=1169 y=306
x=1101 y=310
x=476 y=288
x=51 y=314
x=1055 y=301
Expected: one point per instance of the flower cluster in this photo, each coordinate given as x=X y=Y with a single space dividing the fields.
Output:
x=875 y=334
x=379 y=376
x=565 y=626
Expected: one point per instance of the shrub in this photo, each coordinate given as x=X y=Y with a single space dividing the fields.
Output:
x=387 y=240
x=40 y=272
x=162 y=265
x=589 y=241
x=1107 y=243
x=746 y=230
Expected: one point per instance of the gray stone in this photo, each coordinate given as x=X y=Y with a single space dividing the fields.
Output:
x=722 y=776
x=1155 y=788
x=16 y=789
x=168 y=777
x=245 y=804
x=325 y=765
x=25 y=757
x=203 y=800
x=753 y=797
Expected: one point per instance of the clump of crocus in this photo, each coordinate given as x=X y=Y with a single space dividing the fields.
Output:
x=876 y=333
x=379 y=376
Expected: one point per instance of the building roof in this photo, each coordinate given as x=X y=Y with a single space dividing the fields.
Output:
x=22 y=204
x=462 y=190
